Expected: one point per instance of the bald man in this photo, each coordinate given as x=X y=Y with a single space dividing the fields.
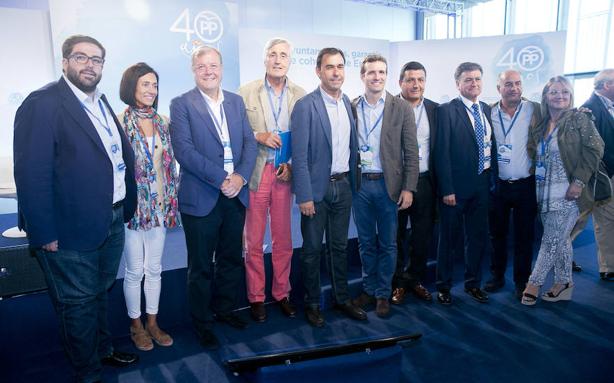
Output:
x=513 y=119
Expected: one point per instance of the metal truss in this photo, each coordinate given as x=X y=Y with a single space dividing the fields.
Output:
x=437 y=6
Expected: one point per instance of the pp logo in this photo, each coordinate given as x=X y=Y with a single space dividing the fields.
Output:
x=208 y=26
x=530 y=58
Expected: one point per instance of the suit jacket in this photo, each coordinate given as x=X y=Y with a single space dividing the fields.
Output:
x=312 y=153
x=604 y=122
x=398 y=147
x=257 y=105
x=63 y=175
x=456 y=156
x=200 y=154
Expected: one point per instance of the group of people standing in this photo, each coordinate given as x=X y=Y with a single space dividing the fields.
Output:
x=82 y=172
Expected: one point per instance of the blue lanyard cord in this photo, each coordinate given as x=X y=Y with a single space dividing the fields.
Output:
x=218 y=125
x=105 y=125
x=545 y=142
x=419 y=119
x=511 y=124
x=281 y=98
x=364 y=121
x=482 y=117
x=144 y=144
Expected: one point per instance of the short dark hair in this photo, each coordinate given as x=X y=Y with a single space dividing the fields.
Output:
x=131 y=76
x=371 y=59
x=73 y=40
x=412 y=65
x=466 y=67
x=328 y=51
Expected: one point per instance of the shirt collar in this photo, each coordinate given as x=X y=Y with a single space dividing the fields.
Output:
x=468 y=103
x=380 y=101
x=210 y=101
x=608 y=103
x=269 y=87
x=81 y=95
x=328 y=98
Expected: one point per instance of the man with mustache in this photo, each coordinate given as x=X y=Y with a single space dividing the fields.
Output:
x=513 y=120
x=74 y=172
x=389 y=164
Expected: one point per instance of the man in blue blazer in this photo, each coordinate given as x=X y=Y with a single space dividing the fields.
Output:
x=74 y=172
x=463 y=169
x=601 y=103
x=214 y=144
x=324 y=160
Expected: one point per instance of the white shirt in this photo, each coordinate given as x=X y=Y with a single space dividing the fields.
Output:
x=339 y=131
x=368 y=134
x=219 y=117
x=513 y=160
x=423 y=136
x=102 y=119
x=487 y=142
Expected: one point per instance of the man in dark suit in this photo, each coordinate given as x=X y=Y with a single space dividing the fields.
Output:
x=422 y=212
x=389 y=167
x=74 y=172
x=215 y=146
x=601 y=103
x=324 y=160
x=463 y=169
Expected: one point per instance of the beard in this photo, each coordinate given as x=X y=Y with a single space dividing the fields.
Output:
x=85 y=85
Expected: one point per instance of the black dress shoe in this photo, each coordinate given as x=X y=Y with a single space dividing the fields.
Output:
x=575 y=267
x=444 y=297
x=257 y=311
x=209 y=341
x=494 y=284
x=363 y=300
x=232 y=320
x=314 y=317
x=352 y=311
x=477 y=294
x=119 y=359
x=286 y=307
x=609 y=276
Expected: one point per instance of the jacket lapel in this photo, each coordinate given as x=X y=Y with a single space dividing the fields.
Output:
x=462 y=115
x=318 y=103
x=264 y=104
x=198 y=102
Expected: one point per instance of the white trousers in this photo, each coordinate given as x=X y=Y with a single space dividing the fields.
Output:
x=143 y=251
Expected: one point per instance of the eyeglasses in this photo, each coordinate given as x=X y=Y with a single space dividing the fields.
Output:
x=80 y=58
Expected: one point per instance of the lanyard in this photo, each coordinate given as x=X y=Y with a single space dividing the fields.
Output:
x=148 y=153
x=511 y=124
x=105 y=125
x=281 y=98
x=364 y=121
x=545 y=142
x=419 y=119
x=482 y=118
x=218 y=126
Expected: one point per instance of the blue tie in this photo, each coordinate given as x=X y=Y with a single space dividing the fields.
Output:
x=479 y=136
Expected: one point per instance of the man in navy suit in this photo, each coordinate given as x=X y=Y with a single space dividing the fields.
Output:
x=463 y=168
x=215 y=146
x=324 y=159
x=74 y=172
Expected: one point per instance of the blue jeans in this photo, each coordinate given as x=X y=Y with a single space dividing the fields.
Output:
x=375 y=215
x=78 y=282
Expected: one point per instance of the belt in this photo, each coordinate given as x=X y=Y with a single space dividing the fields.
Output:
x=424 y=174
x=373 y=176
x=517 y=181
x=118 y=204
x=338 y=176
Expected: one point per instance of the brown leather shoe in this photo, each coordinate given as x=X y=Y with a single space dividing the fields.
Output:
x=286 y=307
x=398 y=296
x=382 y=309
x=422 y=293
x=363 y=300
x=258 y=311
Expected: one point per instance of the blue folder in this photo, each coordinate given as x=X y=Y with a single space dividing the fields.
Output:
x=284 y=153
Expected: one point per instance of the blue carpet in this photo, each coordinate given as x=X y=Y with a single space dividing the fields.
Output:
x=501 y=341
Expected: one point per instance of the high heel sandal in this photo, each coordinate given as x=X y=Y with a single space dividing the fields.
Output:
x=528 y=299
x=563 y=295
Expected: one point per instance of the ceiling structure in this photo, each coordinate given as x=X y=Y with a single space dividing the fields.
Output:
x=437 y=6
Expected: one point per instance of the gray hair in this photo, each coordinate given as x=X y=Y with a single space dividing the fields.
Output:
x=203 y=49
x=274 y=41
x=603 y=77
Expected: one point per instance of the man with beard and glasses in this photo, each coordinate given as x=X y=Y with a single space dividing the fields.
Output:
x=74 y=172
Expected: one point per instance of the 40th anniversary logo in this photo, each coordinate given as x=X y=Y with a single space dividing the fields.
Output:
x=206 y=25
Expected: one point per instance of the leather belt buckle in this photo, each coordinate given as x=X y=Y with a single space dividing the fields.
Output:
x=337 y=176
x=373 y=176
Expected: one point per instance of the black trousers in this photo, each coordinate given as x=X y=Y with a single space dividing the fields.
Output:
x=422 y=216
x=213 y=283
x=473 y=210
x=517 y=199
x=333 y=218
